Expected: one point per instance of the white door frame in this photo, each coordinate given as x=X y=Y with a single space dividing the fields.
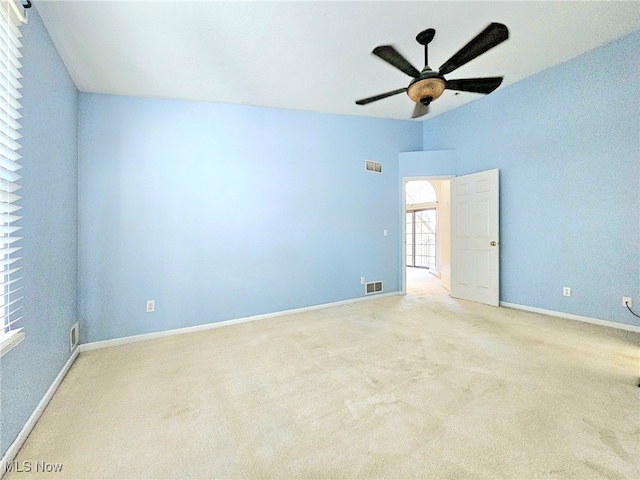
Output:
x=403 y=226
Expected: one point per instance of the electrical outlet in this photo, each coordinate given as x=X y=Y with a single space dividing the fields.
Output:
x=626 y=301
x=151 y=306
x=361 y=280
x=385 y=233
x=566 y=291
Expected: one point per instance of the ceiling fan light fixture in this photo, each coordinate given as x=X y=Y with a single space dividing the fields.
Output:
x=427 y=87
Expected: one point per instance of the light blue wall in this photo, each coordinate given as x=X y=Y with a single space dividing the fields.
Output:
x=219 y=212
x=49 y=229
x=567 y=144
x=417 y=164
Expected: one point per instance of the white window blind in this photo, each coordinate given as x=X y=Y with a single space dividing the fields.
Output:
x=11 y=18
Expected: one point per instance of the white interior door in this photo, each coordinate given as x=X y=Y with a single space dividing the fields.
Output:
x=475 y=250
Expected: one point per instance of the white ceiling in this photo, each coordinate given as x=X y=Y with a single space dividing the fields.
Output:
x=312 y=55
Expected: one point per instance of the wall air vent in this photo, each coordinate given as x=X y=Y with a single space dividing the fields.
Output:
x=372 y=287
x=372 y=166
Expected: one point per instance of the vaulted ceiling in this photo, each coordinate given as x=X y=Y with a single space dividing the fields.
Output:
x=313 y=55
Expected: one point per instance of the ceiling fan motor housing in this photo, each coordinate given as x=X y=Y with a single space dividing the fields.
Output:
x=427 y=87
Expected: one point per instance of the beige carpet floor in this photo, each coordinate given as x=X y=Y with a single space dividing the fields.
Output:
x=415 y=386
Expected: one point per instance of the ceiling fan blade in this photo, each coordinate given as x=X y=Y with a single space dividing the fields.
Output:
x=477 y=85
x=419 y=110
x=364 y=101
x=390 y=55
x=491 y=36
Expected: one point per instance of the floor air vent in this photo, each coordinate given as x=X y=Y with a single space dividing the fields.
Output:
x=372 y=166
x=372 y=287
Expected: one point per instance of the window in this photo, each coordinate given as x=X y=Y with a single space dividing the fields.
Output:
x=421 y=224
x=12 y=15
x=421 y=238
x=420 y=191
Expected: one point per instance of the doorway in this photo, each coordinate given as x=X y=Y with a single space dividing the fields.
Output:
x=426 y=232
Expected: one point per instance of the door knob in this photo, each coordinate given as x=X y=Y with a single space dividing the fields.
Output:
x=493 y=244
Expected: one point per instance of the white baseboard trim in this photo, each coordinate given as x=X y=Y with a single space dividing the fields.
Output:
x=85 y=347
x=15 y=447
x=570 y=316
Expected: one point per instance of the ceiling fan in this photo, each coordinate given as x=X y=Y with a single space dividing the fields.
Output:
x=428 y=85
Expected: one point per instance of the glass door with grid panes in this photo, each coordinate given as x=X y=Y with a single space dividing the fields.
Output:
x=421 y=238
